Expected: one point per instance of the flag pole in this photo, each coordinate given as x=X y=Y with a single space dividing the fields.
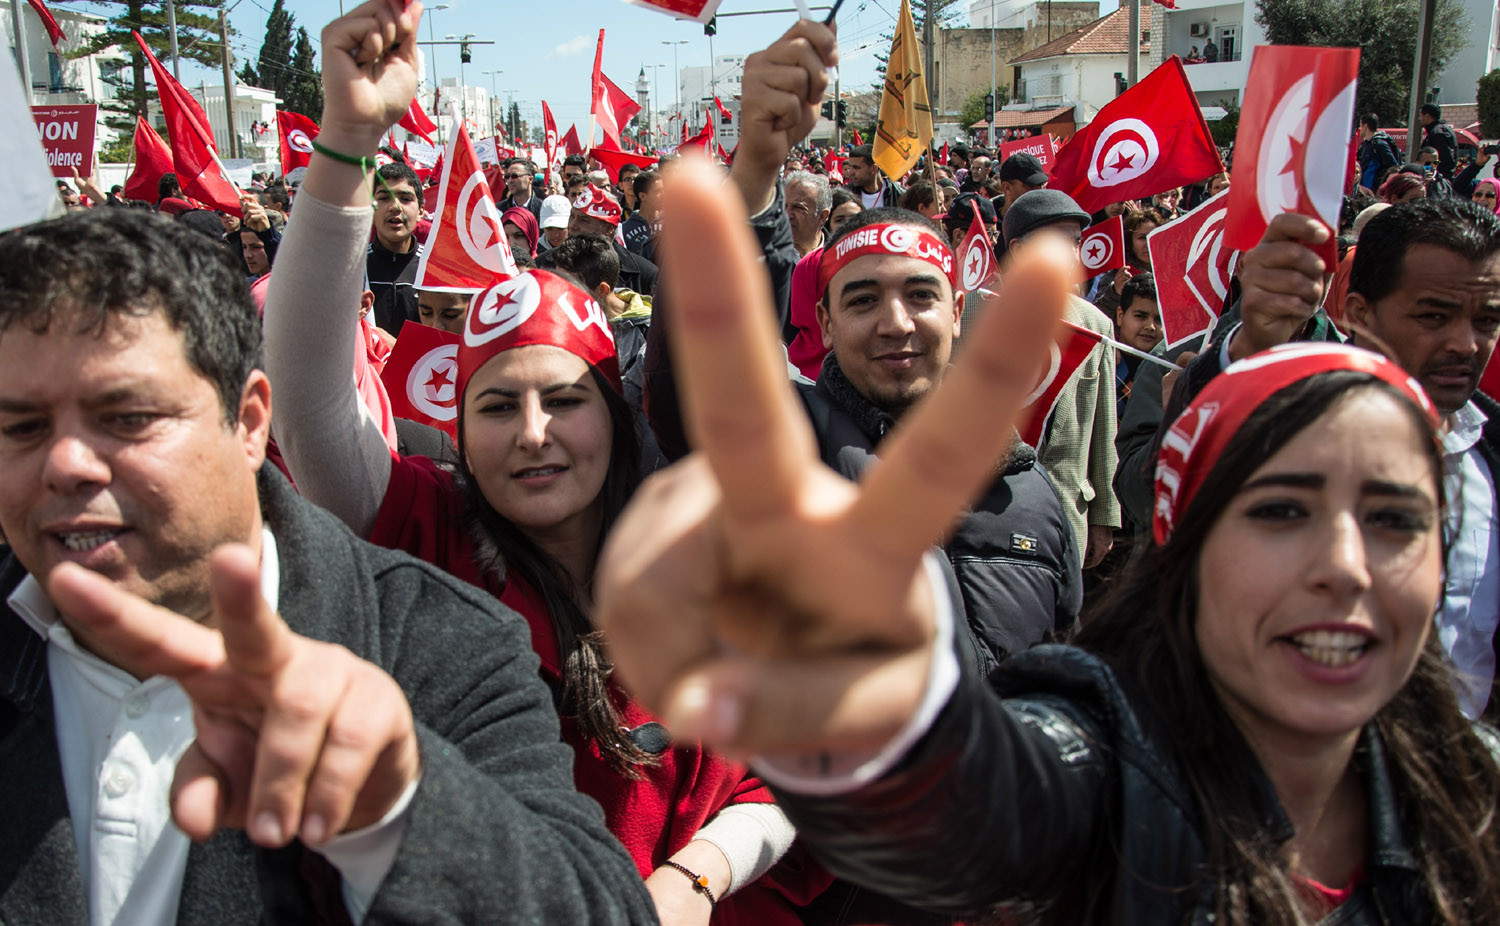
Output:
x=1159 y=361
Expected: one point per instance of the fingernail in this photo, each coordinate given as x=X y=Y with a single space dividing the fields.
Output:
x=314 y=829
x=701 y=713
x=266 y=830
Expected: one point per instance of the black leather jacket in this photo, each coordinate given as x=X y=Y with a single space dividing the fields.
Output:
x=1054 y=801
x=1013 y=552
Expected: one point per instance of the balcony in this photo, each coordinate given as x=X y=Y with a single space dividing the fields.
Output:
x=1223 y=75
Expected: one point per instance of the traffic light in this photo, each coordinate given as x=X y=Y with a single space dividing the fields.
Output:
x=1121 y=85
x=843 y=113
x=989 y=107
x=827 y=109
x=463 y=53
x=712 y=26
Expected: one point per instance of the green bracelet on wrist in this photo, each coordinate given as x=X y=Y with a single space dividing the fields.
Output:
x=364 y=164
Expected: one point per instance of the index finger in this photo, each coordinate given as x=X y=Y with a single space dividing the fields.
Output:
x=738 y=404
x=128 y=631
x=256 y=639
x=944 y=452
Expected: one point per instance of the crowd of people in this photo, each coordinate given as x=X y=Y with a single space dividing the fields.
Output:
x=739 y=597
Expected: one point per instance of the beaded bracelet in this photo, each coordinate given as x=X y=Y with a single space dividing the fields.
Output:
x=700 y=883
x=364 y=164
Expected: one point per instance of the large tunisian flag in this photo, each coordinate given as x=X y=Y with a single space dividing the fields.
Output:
x=194 y=155
x=1292 y=150
x=1150 y=138
x=466 y=250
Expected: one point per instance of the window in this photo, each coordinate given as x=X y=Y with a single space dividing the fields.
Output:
x=54 y=72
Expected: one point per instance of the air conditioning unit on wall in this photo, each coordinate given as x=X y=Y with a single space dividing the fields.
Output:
x=1198 y=30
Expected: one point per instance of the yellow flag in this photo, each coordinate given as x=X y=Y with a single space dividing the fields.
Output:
x=905 y=128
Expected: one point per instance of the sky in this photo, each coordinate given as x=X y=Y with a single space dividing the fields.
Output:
x=545 y=50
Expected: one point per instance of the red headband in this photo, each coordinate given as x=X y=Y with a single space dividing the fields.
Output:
x=536 y=307
x=902 y=240
x=597 y=204
x=1198 y=438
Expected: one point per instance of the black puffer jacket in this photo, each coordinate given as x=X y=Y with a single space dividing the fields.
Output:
x=1014 y=553
x=1055 y=799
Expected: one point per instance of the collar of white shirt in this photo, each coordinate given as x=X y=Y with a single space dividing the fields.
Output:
x=1465 y=428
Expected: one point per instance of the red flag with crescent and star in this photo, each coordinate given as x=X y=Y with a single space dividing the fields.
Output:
x=611 y=107
x=417 y=122
x=1103 y=246
x=1193 y=265
x=466 y=249
x=421 y=377
x=1149 y=139
x=549 y=147
x=297 y=132
x=1292 y=149
x=1068 y=352
x=976 y=256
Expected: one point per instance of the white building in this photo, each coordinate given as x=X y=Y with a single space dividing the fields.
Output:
x=1232 y=29
x=254 y=120
x=1006 y=14
x=470 y=102
x=1459 y=82
x=57 y=80
x=1078 y=70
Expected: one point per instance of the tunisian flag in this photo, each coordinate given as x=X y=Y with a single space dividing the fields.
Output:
x=1068 y=353
x=421 y=377
x=976 y=256
x=466 y=250
x=1193 y=265
x=701 y=141
x=1150 y=138
x=1292 y=150
x=570 y=143
x=152 y=159
x=1103 y=246
x=194 y=156
x=54 y=31
x=613 y=161
x=297 y=132
x=417 y=122
x=612 y=107
x=549 y=147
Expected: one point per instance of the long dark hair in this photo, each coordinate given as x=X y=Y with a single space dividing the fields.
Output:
x=1445 y=778
x=585 y=666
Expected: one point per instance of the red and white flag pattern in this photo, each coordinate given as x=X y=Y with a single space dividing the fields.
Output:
x=297 y=132
x=612 y=107
x=194 y=155
x=1068 y=352
x=417 y=122
x=698 y=10
x=466 y=249
x=1193 y=265
x=550 y=139
x=421 y=377
x=1150 y=138
x=1292 y=149
x=976 y=257
x=1103 y=246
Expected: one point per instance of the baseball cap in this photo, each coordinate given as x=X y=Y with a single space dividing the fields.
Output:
x=1023 y=167
x=961 y=213
x=555 y=211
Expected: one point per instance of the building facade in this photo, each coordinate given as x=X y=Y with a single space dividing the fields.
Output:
x=56 y=79
x=1232 y=29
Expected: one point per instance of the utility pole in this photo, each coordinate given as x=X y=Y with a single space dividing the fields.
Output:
x=172 y=35
x=1419 y=74
x=928 y=52
x=994 y=97
x=838 y=130
x=234 y=139
x=18 y=27
x=1132 y=66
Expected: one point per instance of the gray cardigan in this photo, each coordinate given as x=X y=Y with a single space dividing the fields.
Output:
x=497 y=832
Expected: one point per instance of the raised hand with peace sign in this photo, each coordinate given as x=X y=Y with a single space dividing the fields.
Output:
x=753 y=597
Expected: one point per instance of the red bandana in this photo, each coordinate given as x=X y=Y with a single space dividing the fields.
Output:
x=902 y=240
x=536 y=307
x=597 y=204
x=1197 y=439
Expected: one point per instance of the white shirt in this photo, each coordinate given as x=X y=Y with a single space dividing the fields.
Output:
x=871 y=200
x=119 y=740
x=1471 y=606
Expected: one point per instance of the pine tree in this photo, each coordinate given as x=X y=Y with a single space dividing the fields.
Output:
x=273 y=68
x=304 y=89
x=197 y=39
x=944 y=13
x=513 y=121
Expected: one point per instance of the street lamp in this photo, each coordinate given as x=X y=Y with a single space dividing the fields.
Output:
x=432 y=56
x=494 y=94
x=677 y=72
x=655 y=97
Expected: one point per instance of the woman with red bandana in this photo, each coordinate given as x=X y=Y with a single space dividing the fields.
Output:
x=549 y=455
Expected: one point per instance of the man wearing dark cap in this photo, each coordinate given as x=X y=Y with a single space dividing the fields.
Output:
x=1078 y=448
x=960 y=216
x=1021 y=173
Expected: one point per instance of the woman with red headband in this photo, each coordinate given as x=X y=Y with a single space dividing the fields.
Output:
x=549 y=455
x=1258 y=727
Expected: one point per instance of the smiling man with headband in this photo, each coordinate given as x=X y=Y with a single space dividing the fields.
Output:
x=889 y=309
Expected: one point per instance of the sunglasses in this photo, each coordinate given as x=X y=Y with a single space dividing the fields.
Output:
x=1480 y=194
